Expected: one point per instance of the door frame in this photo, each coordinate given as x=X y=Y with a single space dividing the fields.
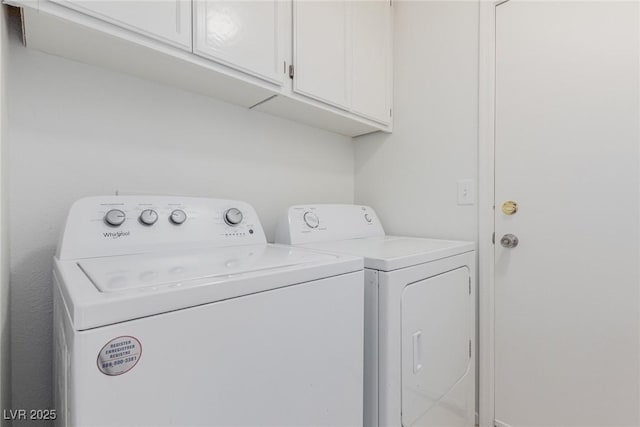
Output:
x=486 y=208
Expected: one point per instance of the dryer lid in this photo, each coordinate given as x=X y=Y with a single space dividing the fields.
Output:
x=389 y=253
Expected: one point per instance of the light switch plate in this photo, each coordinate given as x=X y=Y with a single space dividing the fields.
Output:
x=466 y=192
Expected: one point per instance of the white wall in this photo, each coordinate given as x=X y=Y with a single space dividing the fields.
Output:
x=5 y=324
x=410 y=176
x=77 y=130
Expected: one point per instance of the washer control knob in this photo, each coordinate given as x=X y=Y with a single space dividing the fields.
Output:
x=115 y=217
x=233 y=216
x=148 y=217
x=178 y=216
x=367 y=217
x=311 y=219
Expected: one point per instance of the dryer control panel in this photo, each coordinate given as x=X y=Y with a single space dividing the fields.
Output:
x=319 y=223
x=122 y=225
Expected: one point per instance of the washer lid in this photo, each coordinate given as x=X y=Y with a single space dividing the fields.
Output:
x=389 y=253
x=125 y=273
x=101 y=291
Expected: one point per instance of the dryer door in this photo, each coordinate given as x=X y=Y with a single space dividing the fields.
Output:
x=436 y=334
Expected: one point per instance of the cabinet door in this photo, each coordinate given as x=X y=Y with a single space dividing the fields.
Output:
x=321 y=51
x=371 y=59
x=251 y=36
x=165 y=20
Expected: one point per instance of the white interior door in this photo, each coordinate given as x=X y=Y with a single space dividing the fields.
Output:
x=566 y=150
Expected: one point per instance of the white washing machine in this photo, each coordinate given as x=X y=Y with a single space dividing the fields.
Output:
x=419 y=314
x=175 y=311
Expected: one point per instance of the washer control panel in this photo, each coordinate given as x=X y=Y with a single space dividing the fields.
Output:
x=316 y=223
x=120 y=225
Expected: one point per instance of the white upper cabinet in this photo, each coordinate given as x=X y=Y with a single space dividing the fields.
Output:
x=326 y=63
x=371 y=76
x=165 y=20
x=321 y=50
x=342 y=55
x=251 y=36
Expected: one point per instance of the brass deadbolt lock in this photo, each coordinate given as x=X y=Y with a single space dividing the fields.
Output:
x=509 y=207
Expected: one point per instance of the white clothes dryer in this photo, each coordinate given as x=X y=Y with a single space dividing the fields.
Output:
x=419 y=314
x=175 y=311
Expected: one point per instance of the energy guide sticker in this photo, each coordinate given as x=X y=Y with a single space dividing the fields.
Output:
x=119 y=355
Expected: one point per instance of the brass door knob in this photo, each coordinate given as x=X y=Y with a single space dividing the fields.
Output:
x=509 y=207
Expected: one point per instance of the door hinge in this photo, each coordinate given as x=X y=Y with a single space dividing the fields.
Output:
x=469 y=285
x=291 y=71
x=469 y=349
x=493 y=238
x=390 y=112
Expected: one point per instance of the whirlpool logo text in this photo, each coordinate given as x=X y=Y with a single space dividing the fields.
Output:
x=116 y=234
